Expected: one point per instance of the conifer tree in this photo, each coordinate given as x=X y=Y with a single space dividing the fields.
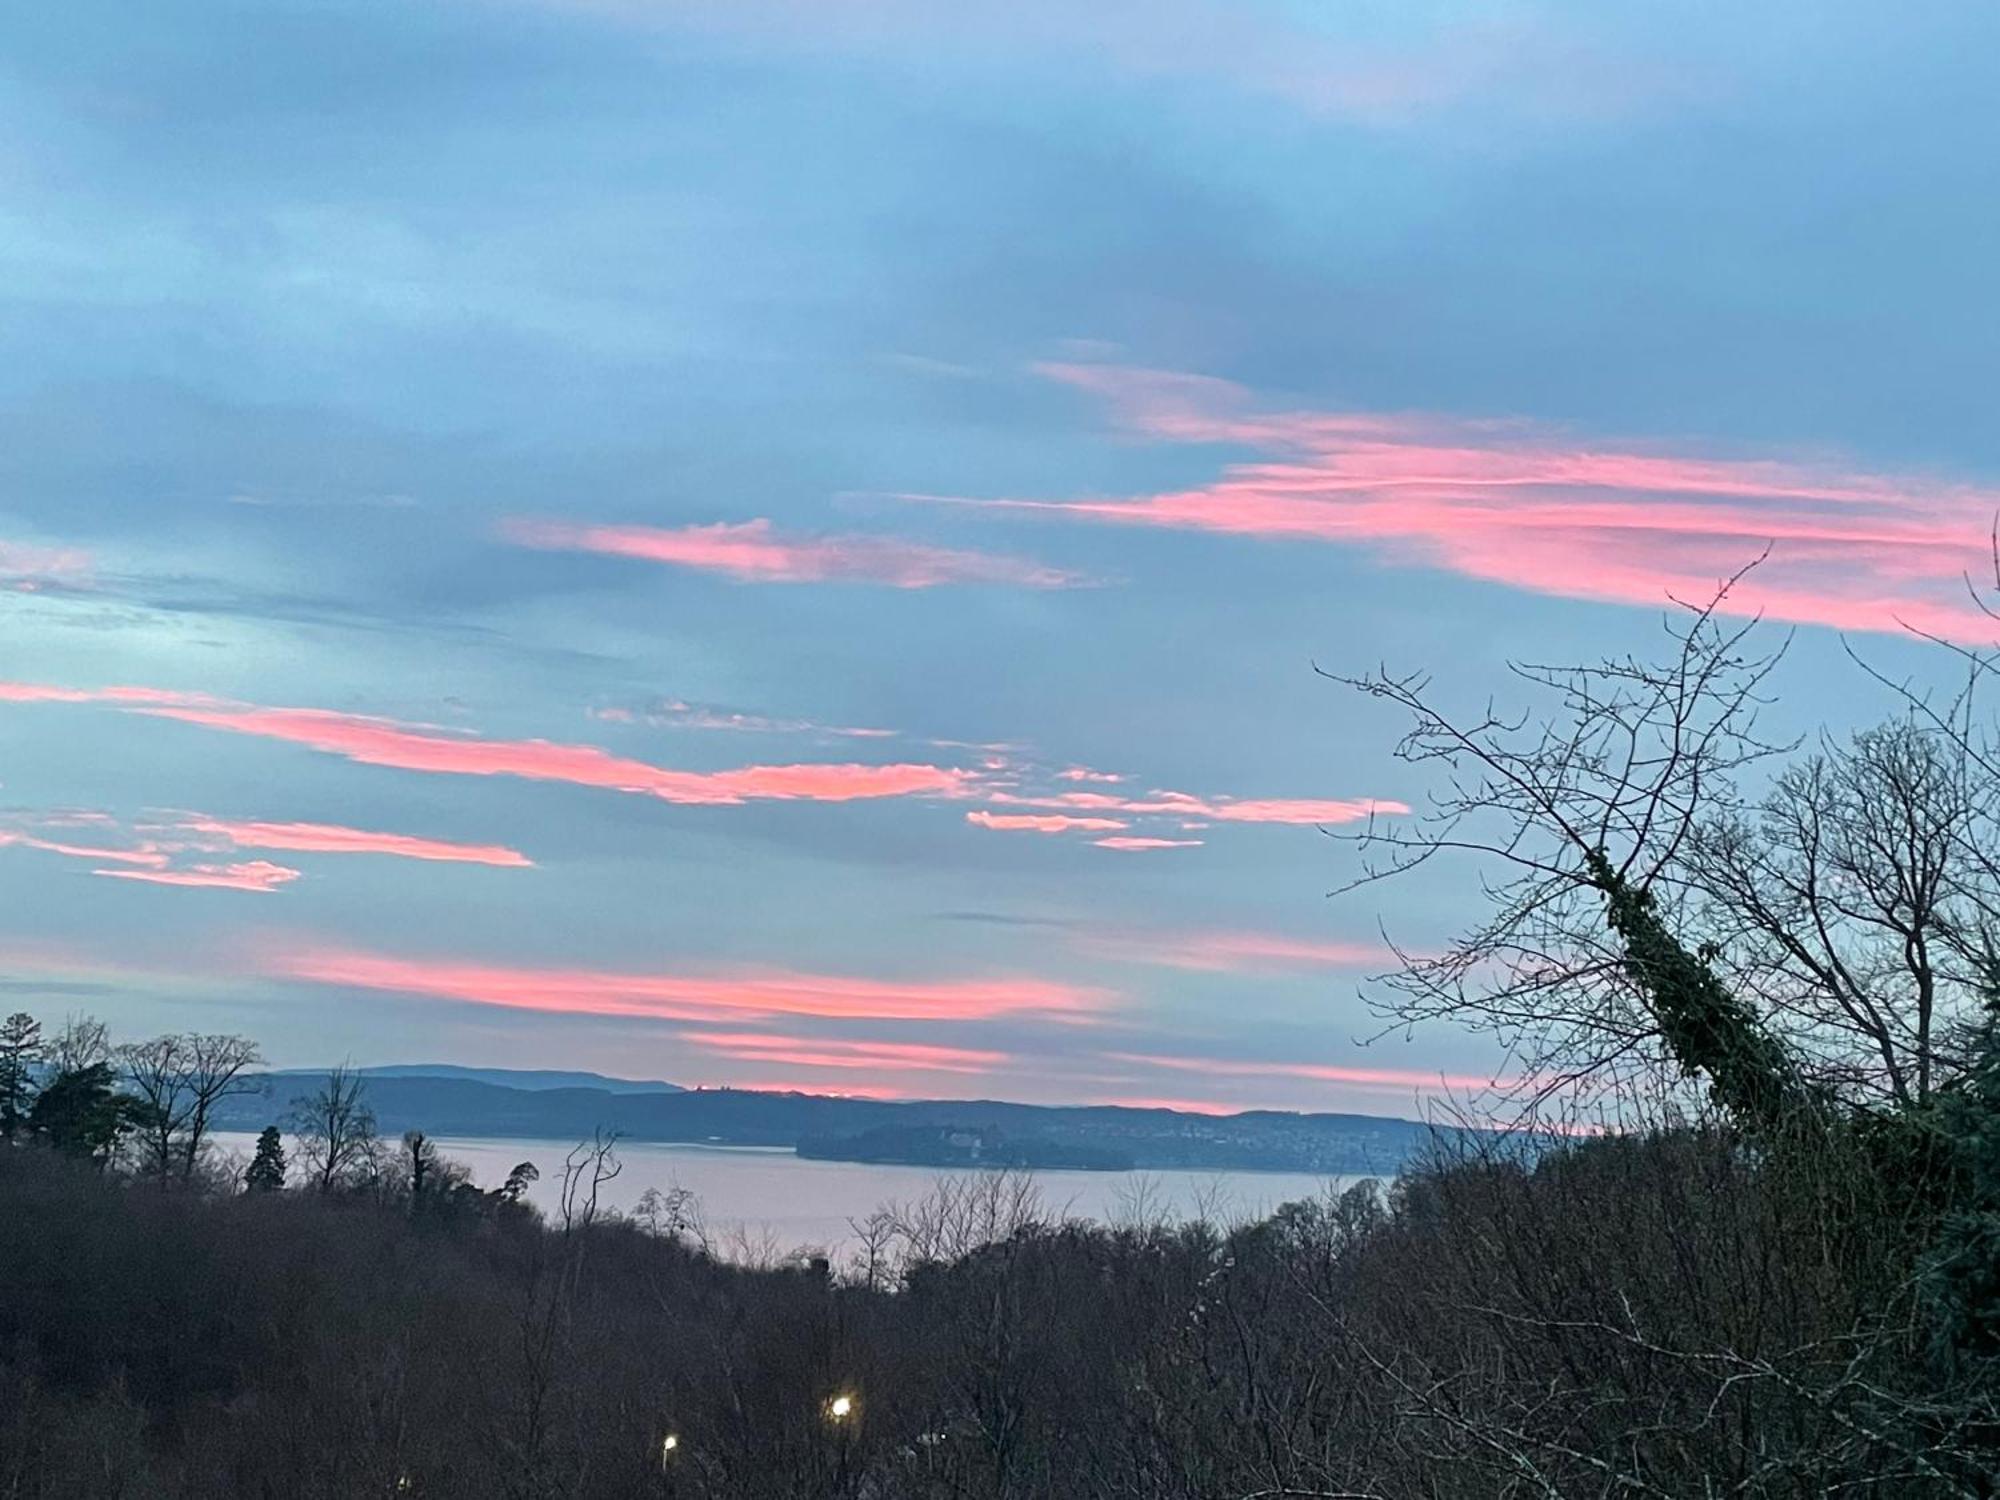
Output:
x=266 y=1172
x=1966 y=1269
x=20 y=1050
x=81 y=1112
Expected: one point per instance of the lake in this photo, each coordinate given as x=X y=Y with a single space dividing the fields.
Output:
x=768 y=1196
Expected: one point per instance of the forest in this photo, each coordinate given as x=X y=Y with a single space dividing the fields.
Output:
x=1742 y=1238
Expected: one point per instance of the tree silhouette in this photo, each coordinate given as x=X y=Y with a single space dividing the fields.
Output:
x=20 y=1050
x=266 y=1172
x=336 y=1131
x=82 y=1113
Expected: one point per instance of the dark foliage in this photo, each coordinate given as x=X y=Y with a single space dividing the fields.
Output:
x=80 y=1112
x=1665 y=1315
x=266 y=1172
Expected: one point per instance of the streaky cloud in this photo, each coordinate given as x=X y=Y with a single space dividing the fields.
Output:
x=1185 y=805
x=723 y=995
x=1340 y=1073
x=756 y=552
x=326 y=838
x=1531 y=506
x=375 y=741
x=182 y=848
x=821 y=1052
x=259 y=875
x=1040 y=822
x=1227 y=952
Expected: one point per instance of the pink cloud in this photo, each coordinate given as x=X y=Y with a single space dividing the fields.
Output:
x=161 y=846
x=324 y=838
x=708 y=997
x=815 y=1052
x=388 y=742
x=755 y=552
x=385 y=742
x=1040 y=822
x=1531 y=507
x=253 y=875
x=1369 y=1078
x=377 y=741
x=1312 y=810
x=1085 y=773
x=1237 y=952
x=26 y=565
x=148 y=855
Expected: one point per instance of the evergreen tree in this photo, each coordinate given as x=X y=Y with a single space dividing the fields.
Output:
x=266 y=1173
x=82 y=1112
x=1966 y=1269
x=20 y=1049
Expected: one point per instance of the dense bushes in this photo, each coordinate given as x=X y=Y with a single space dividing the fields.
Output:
x=1671 y=1314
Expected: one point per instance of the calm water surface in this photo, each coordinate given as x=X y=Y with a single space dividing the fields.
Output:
x=772 y=1197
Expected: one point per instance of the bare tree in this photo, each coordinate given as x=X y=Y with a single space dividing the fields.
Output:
x=965 y=1213
x=156 y=1073
x=1817 y=941
x=335 y=1129
x=545 y=1324
x=82 y=1042
x=873 y=1259
x=217 y=1069
x=668 y=1215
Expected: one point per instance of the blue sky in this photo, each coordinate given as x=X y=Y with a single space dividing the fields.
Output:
x=784 y=544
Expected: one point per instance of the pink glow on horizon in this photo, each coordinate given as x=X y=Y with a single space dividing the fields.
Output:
x=819 y=1052
x=844 y=1090
x=1041 y=822
x=720 y=996
x=1135 y=845
x=1182 y=1106
x=1526 y=506
x=253 y=875
x=1353 y=1077
x=755 y=552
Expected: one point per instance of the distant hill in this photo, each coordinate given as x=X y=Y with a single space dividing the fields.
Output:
x=460 y=1102
x=533 y=1079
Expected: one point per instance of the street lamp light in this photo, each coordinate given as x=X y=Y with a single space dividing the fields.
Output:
x=840 y=1408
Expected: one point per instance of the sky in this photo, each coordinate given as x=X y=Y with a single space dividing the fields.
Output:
x=785 y=543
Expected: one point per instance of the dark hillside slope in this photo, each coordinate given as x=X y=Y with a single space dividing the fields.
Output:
x=1150 y=1138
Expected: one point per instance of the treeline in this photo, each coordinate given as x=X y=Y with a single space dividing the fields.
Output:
x=150 y=1109
x=1679 y=1312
